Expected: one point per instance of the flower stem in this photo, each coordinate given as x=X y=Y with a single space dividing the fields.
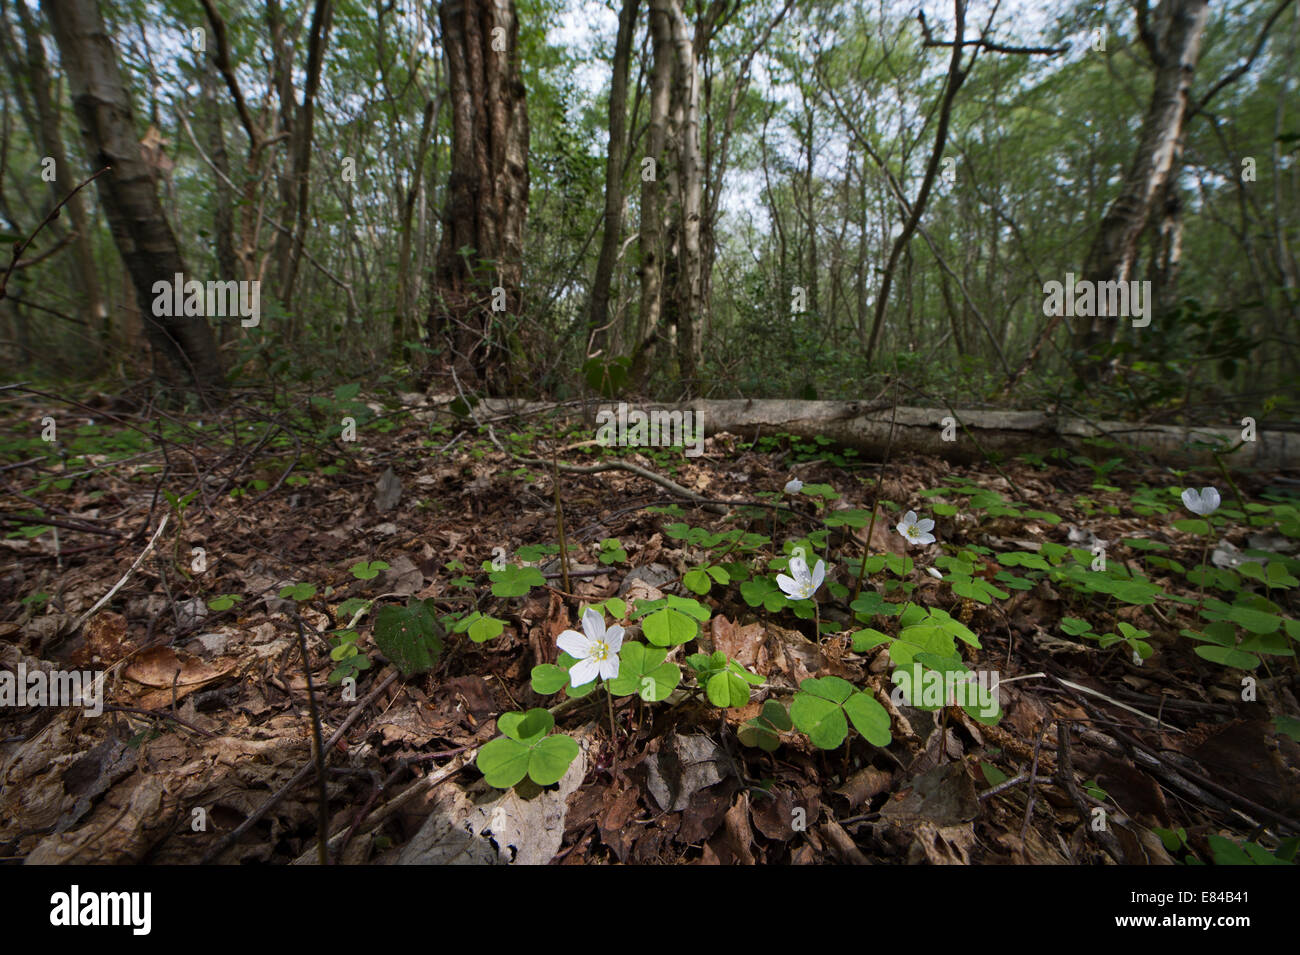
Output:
x=1200 y=591
x=613 y=732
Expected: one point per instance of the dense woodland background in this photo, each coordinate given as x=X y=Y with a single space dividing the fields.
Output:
x=675 y=197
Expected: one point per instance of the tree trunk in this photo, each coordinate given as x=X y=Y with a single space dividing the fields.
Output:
x=414 y=192
x=84 y=278
x=486 y=201
x=301 y=142
x=135 y=216
x=652 y=214
x=615 y=160
x=1174 y=44
x=223 y=214
x=689 y=168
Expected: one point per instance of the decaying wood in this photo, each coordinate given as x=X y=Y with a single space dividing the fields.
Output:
x=865 y=426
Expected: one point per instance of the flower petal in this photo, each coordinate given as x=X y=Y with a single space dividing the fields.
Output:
x=593 y=624
x=1192 y=500
x=574 y=644
x=609 y=667
x=926 y=525
x=1210 y=499
x=909 y=517
x=924 y=539
x=584 y=671
x=614 y=638
x=798 y=567
x=787 y=585
x=794 y=486
x=818 y=574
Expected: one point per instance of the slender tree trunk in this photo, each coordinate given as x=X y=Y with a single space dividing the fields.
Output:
x=405 y=298
x=49 y=134
x=223 y=214
x=689 y=179
x=318 y=39
x=615 y=161
x=135 y=216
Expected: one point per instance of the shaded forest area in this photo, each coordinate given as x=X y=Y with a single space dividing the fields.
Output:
x=650 y=431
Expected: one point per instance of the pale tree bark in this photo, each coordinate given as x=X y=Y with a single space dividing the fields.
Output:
x=183 y=347
x=688 y=179
x=486 y=201
x=1173 y=40
x=615 y=163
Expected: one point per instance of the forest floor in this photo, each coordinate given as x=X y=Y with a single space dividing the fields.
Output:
x=1147 y=714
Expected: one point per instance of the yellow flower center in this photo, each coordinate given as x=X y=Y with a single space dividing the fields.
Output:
x=599 y=650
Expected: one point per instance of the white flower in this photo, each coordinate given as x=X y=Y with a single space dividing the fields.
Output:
x=1204 y=502
x=596 y=652
x=803 y=585
x=793 y=486
x=916 y=532
x=934 y=573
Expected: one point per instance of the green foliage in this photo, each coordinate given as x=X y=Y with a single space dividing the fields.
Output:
x=526 y=749
x=516 y=581
x=764 y=730
x=368 y=570
x=822 y=704
x=726 y=683
x=348 y=658
x=410 y=636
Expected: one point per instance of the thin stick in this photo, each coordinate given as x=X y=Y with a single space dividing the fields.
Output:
x=559 y=523
x=54 y=214
x=129 y=571
x=322 y=811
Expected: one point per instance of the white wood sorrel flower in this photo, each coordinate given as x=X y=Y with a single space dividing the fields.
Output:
x=916 y=531
x=596 y=650
x=793 y=486
x=1204 y=502
x=804 y=584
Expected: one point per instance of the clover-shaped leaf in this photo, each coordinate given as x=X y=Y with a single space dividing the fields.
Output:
x=298 y=592
x=823 y=706
x=525 y=749
x=515 y=581
x=642 y=670
x=368 y=570
x=548 y=678
x=764 y=730
x=669 y=628
x=481 y=627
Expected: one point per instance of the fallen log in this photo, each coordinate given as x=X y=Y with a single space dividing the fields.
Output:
x=962 y=436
